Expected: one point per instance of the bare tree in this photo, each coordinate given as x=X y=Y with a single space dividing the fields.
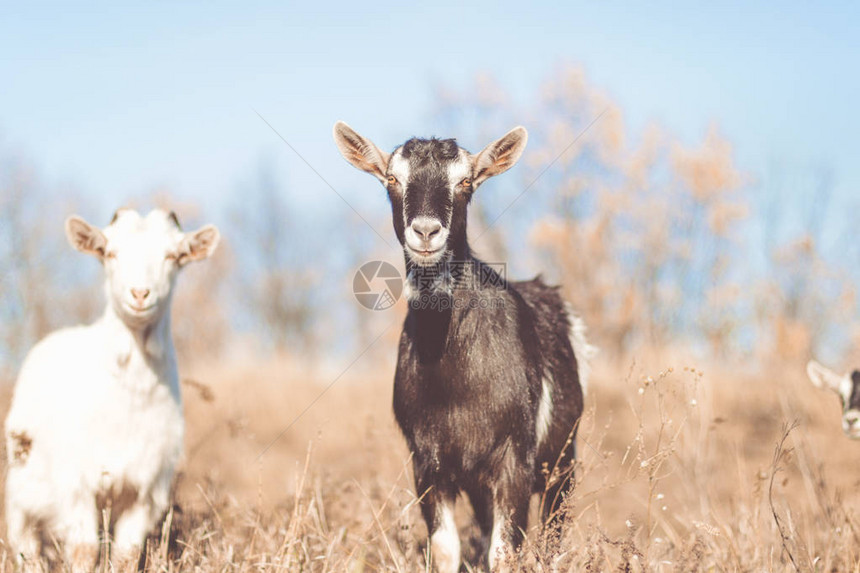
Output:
x=642 y=231
x=808 y=295
x=277 y=269
x=42 y=283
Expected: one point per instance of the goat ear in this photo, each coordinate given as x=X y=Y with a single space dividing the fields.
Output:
x=84 y=237
x=360 y=151
x=200 y=244
x=499 y=156
x=822 y=376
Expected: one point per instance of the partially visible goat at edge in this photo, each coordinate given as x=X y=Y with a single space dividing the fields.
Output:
x=847 y=387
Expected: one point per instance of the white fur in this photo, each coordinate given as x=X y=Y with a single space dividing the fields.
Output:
x=445 y=541
x=415 y=244
x=500 y=547
x=399 y=167
x=100 y=405
x=441 y=282
x=457 y=171
x=583 y=351
x=544 y=415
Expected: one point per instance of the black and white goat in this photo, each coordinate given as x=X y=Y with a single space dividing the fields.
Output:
x=490 y=375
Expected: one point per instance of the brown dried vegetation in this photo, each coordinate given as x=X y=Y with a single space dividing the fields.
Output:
x=688 y=459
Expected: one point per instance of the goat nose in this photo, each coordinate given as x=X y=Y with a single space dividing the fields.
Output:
x=426 y=228
x=139 y=294
x=851 y=421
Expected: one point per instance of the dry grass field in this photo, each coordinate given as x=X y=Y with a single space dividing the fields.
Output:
x=683 y=467
x=685 y=464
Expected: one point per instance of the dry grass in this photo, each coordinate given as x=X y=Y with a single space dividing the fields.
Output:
x=680 y=470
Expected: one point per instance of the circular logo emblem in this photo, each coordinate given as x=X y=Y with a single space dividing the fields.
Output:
x=377 y=285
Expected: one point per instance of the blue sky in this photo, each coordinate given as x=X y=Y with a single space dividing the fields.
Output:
x=117 y=100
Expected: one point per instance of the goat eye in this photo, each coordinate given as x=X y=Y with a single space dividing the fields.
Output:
x=466 y=183
x=110 y=255
x=171 y=257
x=392 y=179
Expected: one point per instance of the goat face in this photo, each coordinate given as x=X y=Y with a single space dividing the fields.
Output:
x=141 y=257
x=430 y=183
x=848 y=389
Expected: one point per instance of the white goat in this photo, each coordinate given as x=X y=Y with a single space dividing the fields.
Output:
x=96 y=419
x=848 y=389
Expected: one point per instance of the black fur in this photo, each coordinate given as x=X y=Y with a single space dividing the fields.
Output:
x=472 y=359
x=428 y=182
x=854 y=402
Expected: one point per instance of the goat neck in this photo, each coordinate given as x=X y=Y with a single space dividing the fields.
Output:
x=141 y=355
